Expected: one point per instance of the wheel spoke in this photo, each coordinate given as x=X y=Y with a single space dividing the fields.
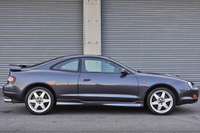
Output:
x=36 y=106
x=42 y=106
x=156 y=96
x=159 y=107
x=32 y=101
x=166 y=106
x=168 y=99
x=163 y=94
x=42 y=95
x=155 y=103
x=46 y=100
x=35 y=94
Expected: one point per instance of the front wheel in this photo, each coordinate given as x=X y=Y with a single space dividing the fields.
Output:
x=39 y=100
x=161 y=101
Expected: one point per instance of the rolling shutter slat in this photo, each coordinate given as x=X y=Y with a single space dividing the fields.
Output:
x=33 y=31
x=154 y=35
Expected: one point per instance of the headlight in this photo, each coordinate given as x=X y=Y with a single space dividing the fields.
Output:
x=190 y=85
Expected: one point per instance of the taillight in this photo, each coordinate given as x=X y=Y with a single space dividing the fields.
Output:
x=11 y=79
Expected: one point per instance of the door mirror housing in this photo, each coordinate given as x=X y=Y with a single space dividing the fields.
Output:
x=124 y=72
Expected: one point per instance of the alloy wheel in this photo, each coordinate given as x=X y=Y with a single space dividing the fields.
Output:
x=161 y=101
x=39 y=101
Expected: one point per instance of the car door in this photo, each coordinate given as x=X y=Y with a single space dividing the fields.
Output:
x=66 y=75
x=101 y=80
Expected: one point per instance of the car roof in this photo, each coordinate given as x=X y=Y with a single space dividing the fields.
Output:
x=76 y=56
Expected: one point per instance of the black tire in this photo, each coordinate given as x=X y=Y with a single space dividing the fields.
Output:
x=47 y=106
x=156 y=106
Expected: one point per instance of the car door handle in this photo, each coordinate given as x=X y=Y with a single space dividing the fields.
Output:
x=86 y=79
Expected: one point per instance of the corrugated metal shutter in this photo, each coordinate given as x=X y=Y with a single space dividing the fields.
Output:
x=154 y=35
x=32 y=31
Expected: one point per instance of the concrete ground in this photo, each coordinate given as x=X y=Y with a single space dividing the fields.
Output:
x=15 y=118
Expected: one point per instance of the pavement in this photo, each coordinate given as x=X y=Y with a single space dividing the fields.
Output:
x=15 y=118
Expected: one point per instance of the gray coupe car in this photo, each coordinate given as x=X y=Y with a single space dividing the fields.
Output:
x=94 y=80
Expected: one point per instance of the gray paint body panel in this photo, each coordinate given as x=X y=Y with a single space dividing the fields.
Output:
x=104 y=89
x=108 y=87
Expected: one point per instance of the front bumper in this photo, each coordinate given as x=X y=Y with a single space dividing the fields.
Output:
x=187 y=96
x=188 y=100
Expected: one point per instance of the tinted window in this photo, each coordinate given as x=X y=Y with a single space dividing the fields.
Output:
x=69 y=65
x=99 y=65
x=40 y=63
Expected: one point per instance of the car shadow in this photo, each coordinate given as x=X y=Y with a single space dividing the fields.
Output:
x=97 y=109
x=20 y=109
x=113 y=110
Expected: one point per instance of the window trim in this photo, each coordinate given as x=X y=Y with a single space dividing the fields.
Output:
x=79 y=65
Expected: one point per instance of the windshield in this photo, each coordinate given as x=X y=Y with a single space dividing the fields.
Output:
x=123 y=64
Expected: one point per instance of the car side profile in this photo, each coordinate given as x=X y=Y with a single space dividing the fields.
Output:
x=94 y=80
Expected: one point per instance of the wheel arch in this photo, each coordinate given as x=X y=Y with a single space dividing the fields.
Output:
x=174 y=91
x=30 y=86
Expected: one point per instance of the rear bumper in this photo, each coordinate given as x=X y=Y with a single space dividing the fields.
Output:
x=12 y=93
x=9 y=100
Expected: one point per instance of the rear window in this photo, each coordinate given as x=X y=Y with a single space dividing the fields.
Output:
x=40 y=63
x=68 y=65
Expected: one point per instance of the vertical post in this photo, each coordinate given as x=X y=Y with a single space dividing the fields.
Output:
x=92 y=27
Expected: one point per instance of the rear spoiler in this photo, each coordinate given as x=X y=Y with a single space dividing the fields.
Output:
x=14 y=67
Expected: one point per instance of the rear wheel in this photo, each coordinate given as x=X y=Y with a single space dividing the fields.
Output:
x=161 y=101
x=39 y=100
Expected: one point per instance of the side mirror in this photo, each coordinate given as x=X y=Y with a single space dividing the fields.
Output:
x=124 y=72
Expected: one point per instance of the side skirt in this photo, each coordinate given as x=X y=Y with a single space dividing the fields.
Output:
x=122 y=104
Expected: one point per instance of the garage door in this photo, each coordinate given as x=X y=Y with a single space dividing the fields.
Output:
x=154 y=35
x=32 y=31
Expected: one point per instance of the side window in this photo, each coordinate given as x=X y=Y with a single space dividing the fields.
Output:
x=99 y=65
x=69 y=65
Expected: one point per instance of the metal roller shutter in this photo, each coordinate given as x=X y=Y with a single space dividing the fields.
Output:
x=154 y=35
x=32 y=31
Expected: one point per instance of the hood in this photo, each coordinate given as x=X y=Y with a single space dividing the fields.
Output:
x=161 y=74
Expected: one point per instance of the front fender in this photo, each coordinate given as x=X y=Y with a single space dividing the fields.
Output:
x=148 y=81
